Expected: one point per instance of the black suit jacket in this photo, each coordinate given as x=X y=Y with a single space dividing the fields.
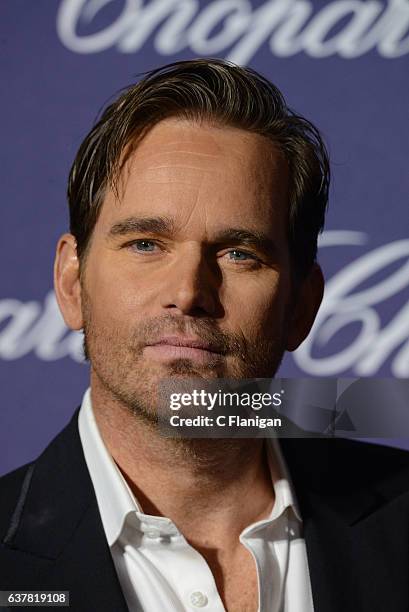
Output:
x=354 y=499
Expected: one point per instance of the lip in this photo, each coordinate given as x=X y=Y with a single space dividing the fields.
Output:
x=190 y=342
x=183 y=347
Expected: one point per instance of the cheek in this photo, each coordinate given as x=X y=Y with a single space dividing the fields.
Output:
x=117 y=295
x=259 y=305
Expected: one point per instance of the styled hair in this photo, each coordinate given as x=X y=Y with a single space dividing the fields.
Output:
x=222 y=93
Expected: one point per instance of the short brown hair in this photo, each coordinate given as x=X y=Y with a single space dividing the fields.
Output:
x=221 y=92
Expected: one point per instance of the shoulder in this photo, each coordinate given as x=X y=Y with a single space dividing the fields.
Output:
x=346 y=450
x=347 y=478
x=335 y=461
x=56 y=467
x=354 y=451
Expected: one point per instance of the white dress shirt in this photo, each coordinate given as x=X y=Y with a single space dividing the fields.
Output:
x=159 y=571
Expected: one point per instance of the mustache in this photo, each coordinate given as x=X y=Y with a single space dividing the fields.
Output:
x=151 y=330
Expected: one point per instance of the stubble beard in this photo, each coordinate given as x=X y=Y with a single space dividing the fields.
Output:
x=130 y=382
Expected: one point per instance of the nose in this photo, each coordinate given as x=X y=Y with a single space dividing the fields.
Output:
x=192 y=286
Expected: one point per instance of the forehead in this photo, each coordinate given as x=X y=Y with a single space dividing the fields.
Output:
x=202 y=170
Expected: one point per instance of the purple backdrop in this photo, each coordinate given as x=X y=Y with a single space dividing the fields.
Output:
x=342 y=63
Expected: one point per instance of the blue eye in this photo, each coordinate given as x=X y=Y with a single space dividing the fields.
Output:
x=242 y=255
x=144 y=245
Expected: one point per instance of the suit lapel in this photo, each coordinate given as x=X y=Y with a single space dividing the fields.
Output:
x=58 y=523
x=355 y=523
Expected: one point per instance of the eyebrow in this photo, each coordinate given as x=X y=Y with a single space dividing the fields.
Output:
x=166 y=227
x=151 y=225
x=251 y=238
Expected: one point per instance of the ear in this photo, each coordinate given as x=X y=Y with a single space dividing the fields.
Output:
x=67 y=281
x=308 y=301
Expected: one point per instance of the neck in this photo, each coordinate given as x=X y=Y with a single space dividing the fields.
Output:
x=224 y=484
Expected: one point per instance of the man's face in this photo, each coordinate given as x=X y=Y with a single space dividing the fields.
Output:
x=194 y=251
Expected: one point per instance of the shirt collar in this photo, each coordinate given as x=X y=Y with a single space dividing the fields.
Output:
x=283 y=487
x=116 y=500
x=114 y=497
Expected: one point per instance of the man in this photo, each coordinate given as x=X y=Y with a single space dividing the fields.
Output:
x=195 y=205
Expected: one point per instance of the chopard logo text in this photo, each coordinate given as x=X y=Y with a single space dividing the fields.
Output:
x=236 y=29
